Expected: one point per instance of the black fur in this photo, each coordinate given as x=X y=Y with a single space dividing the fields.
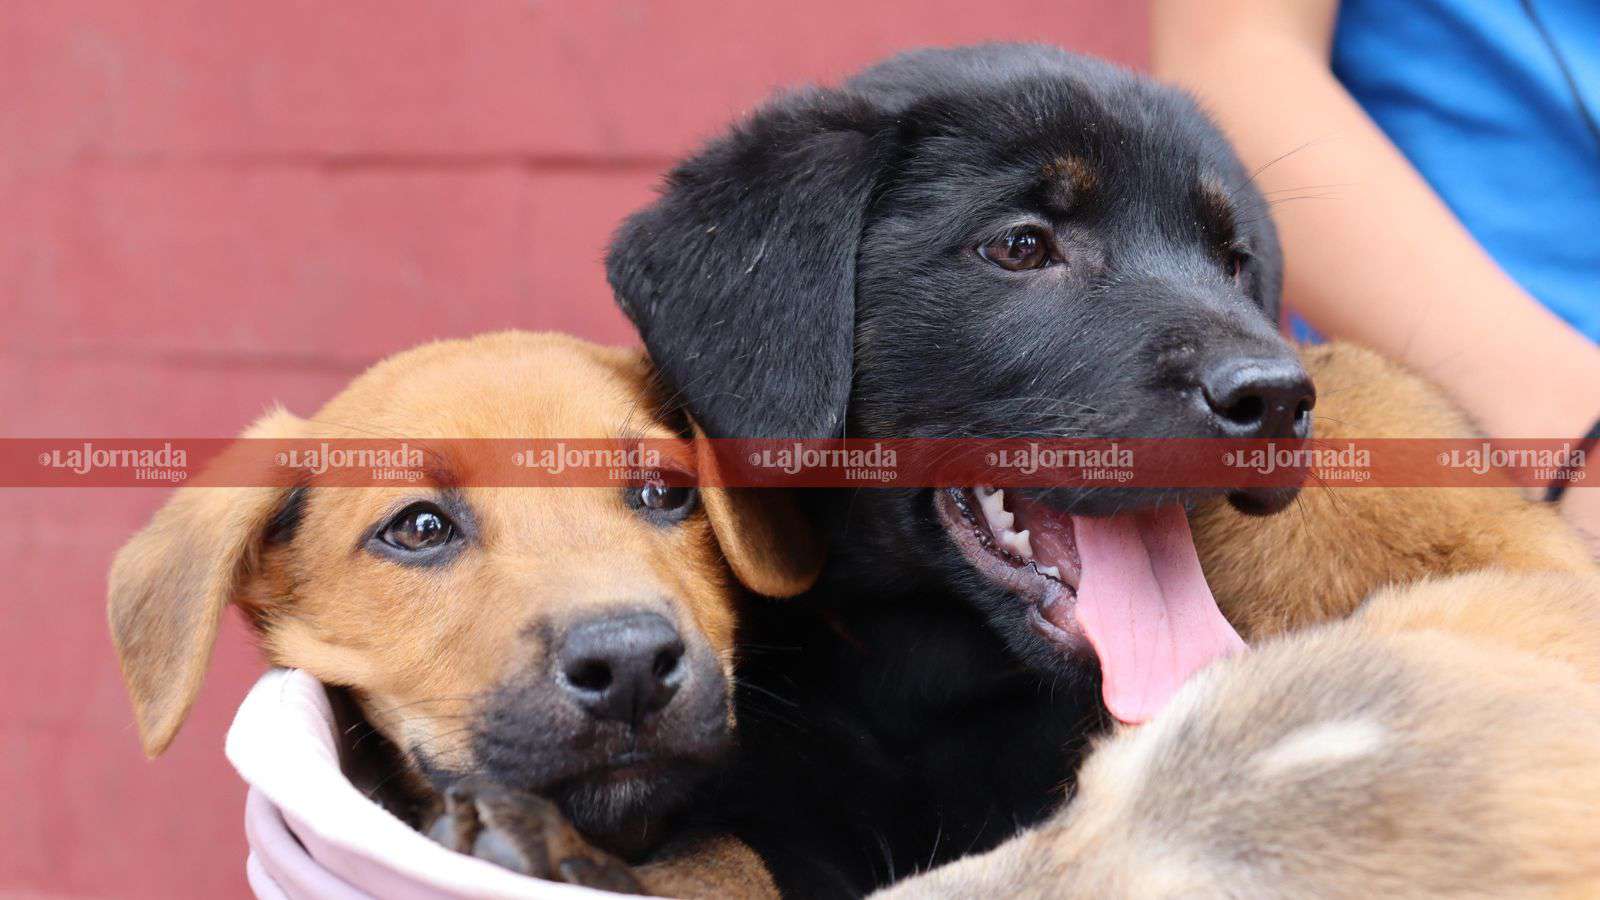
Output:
x=285 y=521
x=813 y=273
x=743 y=275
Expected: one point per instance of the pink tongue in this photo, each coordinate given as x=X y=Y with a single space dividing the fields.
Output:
x=1144 y=605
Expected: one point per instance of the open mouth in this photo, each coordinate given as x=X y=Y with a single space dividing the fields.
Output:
x=1025 y=548
x=1127 y=588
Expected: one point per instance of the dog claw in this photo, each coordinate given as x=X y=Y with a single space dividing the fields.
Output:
x=527 y=834
x=494 y=846
x=613 y=876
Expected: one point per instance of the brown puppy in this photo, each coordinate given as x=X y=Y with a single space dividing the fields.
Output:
x=572 y=643
x=1319 y=558
x=1444 y=740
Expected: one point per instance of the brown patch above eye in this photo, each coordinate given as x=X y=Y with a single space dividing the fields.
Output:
x=1217 y=210
x=1075 y=177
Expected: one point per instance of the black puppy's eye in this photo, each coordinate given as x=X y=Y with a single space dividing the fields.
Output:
x=1239 y=267
x=1022 y=248
x=418 y=527
x=659 y=500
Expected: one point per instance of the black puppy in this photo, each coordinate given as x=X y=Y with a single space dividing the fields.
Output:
x=1000 y=241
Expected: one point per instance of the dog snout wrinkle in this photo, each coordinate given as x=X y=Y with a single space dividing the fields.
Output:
x=622 y=668
x=1259 y=397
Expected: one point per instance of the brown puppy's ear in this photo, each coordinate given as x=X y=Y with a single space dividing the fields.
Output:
x=170 y=583
x=772 y=547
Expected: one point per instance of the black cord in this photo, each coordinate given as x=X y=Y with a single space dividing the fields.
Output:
x=1566 y=72
x=1573 y=470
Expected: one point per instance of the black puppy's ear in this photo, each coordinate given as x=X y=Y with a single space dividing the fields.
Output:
x=741 y=278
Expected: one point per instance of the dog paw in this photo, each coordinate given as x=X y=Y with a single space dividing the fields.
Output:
x=527 y=834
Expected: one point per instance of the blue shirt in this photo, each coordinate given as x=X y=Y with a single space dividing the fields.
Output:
x=1475 y=98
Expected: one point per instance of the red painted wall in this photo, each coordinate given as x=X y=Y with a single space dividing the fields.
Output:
x=206 y=206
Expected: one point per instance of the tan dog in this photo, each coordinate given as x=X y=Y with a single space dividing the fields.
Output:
x=1444 y=740
x=572 y=643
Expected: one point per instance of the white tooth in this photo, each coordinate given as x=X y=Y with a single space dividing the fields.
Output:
x=1052 y=571
x=994 y=512
x=1017 y=542
x=993 y=502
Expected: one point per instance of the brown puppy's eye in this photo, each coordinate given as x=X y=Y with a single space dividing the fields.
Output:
x=1022 y=248
x=658 y=496
x=419 y=527
x=661 y=501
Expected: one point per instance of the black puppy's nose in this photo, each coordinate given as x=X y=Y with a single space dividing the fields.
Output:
x=621 y=668
x=1259 y=397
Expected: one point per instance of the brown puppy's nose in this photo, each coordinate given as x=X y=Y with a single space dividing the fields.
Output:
x=621 y=668
x=1259 y=397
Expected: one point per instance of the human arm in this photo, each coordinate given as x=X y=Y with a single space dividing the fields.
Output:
x=1372 y=254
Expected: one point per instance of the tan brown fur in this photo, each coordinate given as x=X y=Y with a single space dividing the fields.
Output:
x=1441 y=738
x=1482 y=777
x=170 y=584
x=714 y=867
x=418 y=649
x=1075 y=177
